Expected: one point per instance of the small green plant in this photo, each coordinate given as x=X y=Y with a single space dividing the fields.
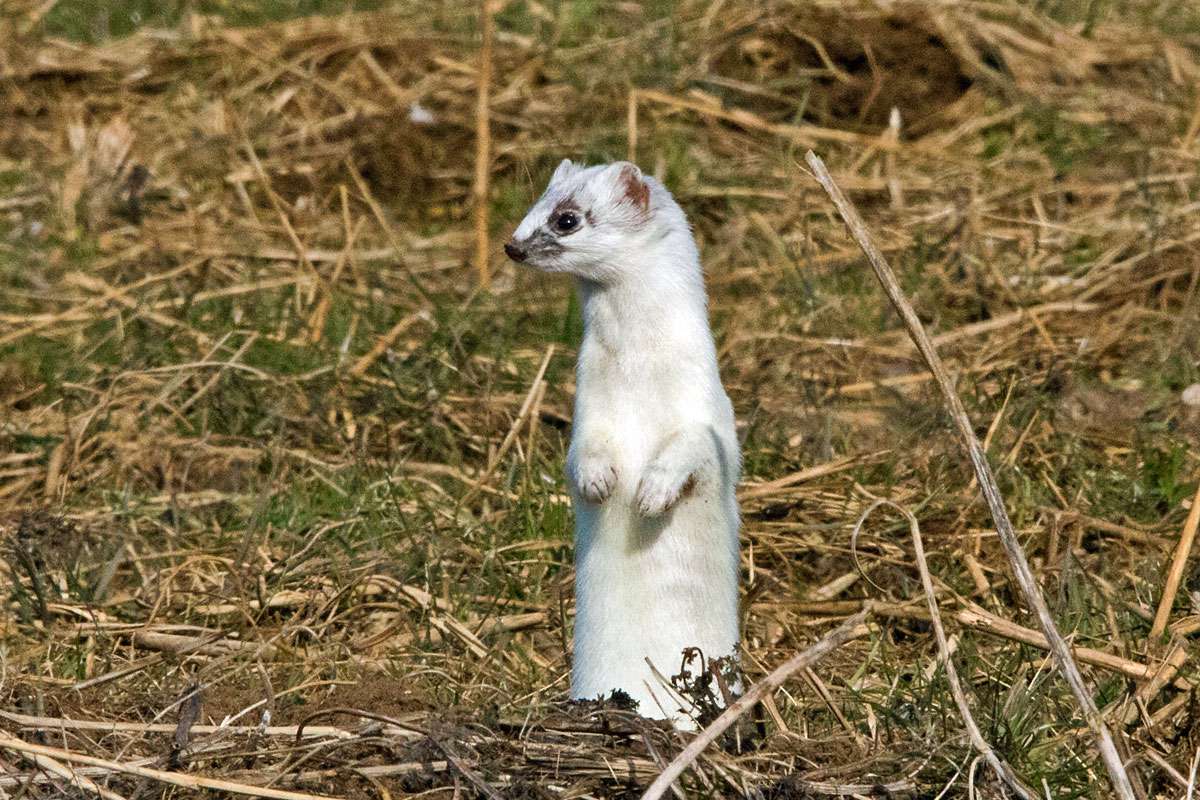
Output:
x=1065 y=142
x=1163 y=480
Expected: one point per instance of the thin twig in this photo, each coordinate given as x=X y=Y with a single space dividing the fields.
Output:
x=398 y=247
x=65 y=771
x=631 y=125
x=471 y=775
x=514 y=429
x=483 y=144
x=277 y=205
x=852 y=628
x=756 y=491
x=59 y=724
x=474 y=777
x=976 y=618
x=1003 y=771
x=1175 y=574
x=174 y=778
x=987 y=482
x=384 y=342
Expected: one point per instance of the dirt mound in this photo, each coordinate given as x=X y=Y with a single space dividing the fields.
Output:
x=846 y=65
x=842 y=71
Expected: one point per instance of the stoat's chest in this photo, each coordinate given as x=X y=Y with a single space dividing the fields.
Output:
x=637 y=399
x=632 y=389
x=647 y=368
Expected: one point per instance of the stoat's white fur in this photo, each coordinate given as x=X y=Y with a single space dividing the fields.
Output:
x=654 y=456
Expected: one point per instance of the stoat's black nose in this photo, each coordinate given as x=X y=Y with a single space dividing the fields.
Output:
x=514 y=252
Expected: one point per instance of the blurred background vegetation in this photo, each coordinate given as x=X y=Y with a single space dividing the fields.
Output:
x=253 y=396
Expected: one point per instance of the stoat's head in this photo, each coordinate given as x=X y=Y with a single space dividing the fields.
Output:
x=589 y=217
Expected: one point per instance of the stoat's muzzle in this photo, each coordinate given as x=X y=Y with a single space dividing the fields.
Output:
x=538 y=250
x=514 y=252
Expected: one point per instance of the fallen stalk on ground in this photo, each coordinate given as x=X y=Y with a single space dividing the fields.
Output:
x=987 y=482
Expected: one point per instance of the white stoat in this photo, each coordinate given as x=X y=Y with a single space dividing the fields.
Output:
x=654 y=456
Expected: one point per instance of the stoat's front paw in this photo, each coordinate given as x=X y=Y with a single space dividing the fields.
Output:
x=595 y=479
x=660 y=489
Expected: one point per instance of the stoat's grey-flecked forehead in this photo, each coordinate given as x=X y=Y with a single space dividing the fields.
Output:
x=609 y=194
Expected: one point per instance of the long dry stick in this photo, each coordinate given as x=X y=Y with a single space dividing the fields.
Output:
x=60 y=724
x=631 y=125
x=753 y=492
x=987 y=482
x=8 y=742
x=852 y=628
x=1175 y=574
x=1003 y=771
x=483 y=144
x=68 y=773
x=976 y=618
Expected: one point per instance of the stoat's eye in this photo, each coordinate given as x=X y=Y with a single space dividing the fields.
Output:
x=565 y=222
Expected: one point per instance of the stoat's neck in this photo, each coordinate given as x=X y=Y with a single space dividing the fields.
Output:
x=655 y=309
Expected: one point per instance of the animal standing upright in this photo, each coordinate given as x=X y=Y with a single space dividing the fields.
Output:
x=654 y=457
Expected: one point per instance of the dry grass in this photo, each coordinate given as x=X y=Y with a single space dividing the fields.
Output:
x=270 y=461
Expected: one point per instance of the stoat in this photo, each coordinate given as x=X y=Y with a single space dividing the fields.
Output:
x=654 y=456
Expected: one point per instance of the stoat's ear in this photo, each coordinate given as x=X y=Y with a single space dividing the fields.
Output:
x=630 y=186
x=564 y=169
